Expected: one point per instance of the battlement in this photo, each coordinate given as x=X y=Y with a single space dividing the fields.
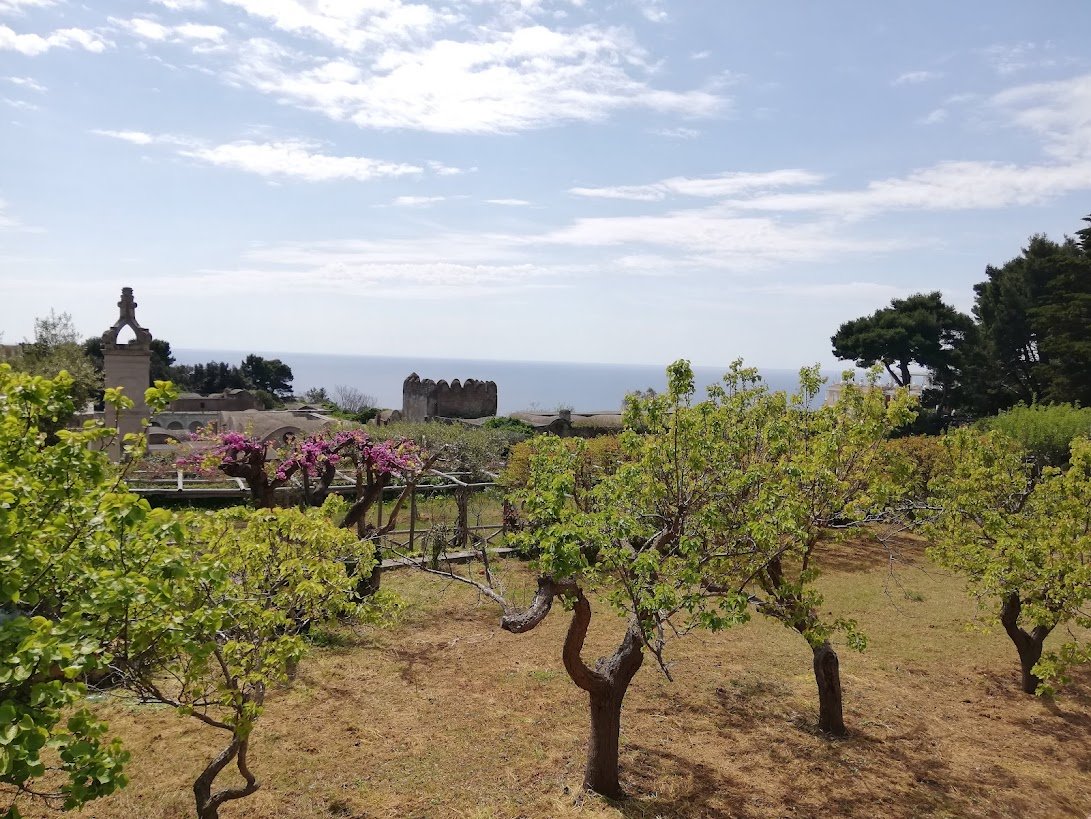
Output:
x=424 y=399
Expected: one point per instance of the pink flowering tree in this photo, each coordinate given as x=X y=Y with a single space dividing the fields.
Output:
x=265 y=467
x=238 y=455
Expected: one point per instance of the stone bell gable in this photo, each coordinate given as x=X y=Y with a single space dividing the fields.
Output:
x=127 y=365
x=424 y=399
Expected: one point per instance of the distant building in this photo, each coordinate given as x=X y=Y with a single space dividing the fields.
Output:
x=428 y=399
x=918 y=384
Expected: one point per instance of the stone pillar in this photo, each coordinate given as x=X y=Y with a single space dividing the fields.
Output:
x=127 y=366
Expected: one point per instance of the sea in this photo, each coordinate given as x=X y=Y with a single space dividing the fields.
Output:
x=521 y=385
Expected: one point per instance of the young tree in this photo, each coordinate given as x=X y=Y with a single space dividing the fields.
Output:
x=642 y=537
x=73 y=542
x=256 y=579
x=1022 y=539
x=827 y=473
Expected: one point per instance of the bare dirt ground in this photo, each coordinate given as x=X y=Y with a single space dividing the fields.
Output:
x=445 y=715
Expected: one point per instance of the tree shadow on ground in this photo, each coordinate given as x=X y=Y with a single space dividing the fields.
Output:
x=776 y=763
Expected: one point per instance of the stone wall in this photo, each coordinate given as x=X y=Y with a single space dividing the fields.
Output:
x=424 y=399
x=227 y=401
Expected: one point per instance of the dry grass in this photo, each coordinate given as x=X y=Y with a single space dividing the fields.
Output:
x=447 y=716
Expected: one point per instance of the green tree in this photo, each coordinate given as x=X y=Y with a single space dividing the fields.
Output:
x=920 y=329
x=637 y=536
x=1023 y=542
x=1033 y=328
x=56 y=347
x=317 y=395
x=822 y=473
x=74 y=545
x=256 y=580
x=269 y=374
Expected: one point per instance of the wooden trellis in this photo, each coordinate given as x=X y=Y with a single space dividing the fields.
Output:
x=462 y=538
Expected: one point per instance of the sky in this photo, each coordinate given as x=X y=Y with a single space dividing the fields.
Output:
x=624 y=181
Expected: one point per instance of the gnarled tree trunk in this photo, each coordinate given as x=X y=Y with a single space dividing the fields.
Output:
x=1028 y=644
x=208 y=803
x=827 y=673
x=605 y=685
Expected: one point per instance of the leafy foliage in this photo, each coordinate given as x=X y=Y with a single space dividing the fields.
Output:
x=255 y=582
x=1033 y=339
x=645 y=529
x=596 y=457
x=920 y=328
x=464 y=448
x=822 y=471
x=56 y=348
x=1022 y=541
x=75 y=549
x=1045 y=431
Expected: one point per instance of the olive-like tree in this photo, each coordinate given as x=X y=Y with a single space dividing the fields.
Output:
x=1022 y=539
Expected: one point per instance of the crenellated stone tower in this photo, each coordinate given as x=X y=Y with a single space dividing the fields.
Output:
x=127 y=366
x=426 y=399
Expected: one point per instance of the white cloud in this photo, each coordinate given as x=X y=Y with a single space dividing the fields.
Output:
x=677 y=133
x=727 y=184
x=147 y=29
x=28 y=83
x=967 y=185
x=934 y=117
x=32 y=45
x=916 y=77
x=198 y=31
x=9 y=222
x=6 y=222
x=135 y=137
x=406 y=269
x=1058 y=112
x=349 y=25
x=715 y=237
x=513 y=203
x=1011 y=58
x=700 y=55
x=439 y=169
x=20 y=104
x=653 y=10
x=291 y=158
x=181 y=5
x=294 y=158
x=416 y=201
x=497 y=81
x=19 y=6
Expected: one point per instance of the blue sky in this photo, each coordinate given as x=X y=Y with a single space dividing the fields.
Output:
x=617 y=180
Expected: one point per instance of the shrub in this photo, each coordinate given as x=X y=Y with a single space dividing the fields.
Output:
x=1045 y=431
x=598 y=456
